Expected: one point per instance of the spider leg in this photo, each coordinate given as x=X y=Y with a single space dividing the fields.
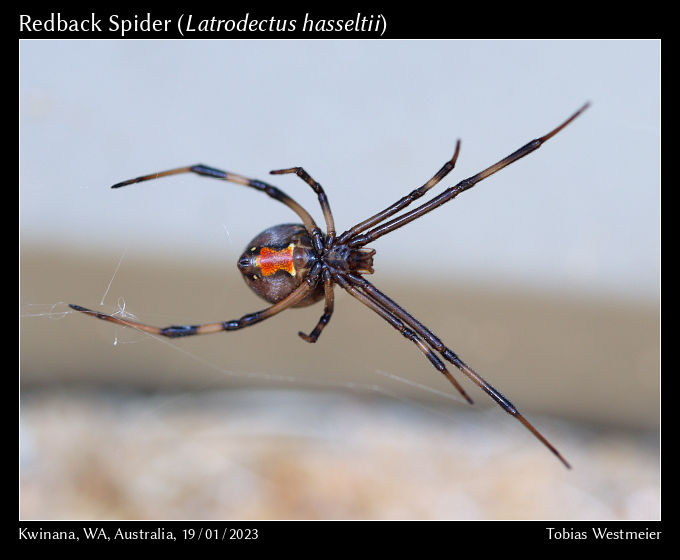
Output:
x=327 y=312
x=204 y=170
x=402 y=202
x=452 y=192
x=318 y=189
x=175 y=331
x=427 y=335
x=406 y=332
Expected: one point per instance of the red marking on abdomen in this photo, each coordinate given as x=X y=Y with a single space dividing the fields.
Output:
x=271 y=260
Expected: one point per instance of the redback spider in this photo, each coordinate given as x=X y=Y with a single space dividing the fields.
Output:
x=295 y=265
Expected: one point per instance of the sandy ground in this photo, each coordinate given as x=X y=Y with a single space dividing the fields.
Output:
x=296 y=455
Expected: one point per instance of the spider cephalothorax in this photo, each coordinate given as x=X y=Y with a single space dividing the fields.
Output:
x=294 y=265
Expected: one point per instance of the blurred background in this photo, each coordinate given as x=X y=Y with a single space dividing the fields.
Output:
x=544 y=278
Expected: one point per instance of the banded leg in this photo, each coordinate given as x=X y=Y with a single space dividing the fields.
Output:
x=318 y=189
x=402 y=202
x=426 y=334
x=327 y=312
x=175 y=331
x=406 y=332
x=465 y=184
x=204 y=170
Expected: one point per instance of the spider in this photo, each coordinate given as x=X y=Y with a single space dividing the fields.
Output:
x=295 y=265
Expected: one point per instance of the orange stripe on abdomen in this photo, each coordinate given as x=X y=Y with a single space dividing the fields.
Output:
x=271 y=260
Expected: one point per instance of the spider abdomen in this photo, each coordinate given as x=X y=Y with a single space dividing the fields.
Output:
x=277 y=261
